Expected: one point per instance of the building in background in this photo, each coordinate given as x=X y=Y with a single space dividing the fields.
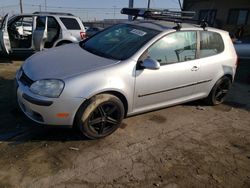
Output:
x=230 y=15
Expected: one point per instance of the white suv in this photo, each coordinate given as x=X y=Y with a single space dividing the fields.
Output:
x=40 y=30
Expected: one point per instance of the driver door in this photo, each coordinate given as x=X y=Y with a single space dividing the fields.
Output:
x=40 y=33
x=4 y=35
x=177 y=77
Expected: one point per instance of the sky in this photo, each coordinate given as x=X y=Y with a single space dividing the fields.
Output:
x=88 y=10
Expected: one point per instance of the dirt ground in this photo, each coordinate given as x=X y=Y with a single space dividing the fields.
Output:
x=190 y=145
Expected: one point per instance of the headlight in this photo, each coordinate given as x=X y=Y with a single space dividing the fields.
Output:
x=48 y=88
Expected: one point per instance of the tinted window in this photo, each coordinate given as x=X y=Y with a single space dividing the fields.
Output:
x=173 y=48
x=119 y=42
x=70 y=23
x=52 y=23
x=211 y=44
x=40 y=23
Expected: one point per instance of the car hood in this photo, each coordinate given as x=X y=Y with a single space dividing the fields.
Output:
x=62 y=62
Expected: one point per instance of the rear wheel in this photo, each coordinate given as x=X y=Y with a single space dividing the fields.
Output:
x=219 y=91
x=100 y=116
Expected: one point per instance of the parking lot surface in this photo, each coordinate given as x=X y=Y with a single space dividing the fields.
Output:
x=190 y=145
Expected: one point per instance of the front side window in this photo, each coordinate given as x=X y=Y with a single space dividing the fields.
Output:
x=70 y=23
x=119 y=42
x=174 y=48
x=211 y=44
x=23 y=24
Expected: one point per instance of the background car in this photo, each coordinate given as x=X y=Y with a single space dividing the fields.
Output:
x=38 y=31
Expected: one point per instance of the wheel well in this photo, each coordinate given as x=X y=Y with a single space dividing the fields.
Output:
x=63 y=42
x=115 y=93
x=121 y=97
x=229 y=76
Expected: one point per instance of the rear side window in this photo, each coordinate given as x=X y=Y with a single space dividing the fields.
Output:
x=70 y=23
x=40 y=23
x=211 y=44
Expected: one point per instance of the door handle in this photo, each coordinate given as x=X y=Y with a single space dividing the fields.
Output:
x=195 y=68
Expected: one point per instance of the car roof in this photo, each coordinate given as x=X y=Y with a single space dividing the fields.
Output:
x=47 y=14
x=161 y=25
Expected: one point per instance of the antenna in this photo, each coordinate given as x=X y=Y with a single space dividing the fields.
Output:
x=204 y=25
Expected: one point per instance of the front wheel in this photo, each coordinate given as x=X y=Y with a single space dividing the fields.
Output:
x=219 y=91
x=100 y=116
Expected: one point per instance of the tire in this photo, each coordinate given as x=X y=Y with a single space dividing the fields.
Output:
x=100 y=116
x=219 y=91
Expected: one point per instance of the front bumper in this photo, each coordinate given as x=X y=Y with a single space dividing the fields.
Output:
x=46 y=110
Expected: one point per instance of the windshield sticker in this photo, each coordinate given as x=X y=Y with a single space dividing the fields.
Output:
x=138 y=32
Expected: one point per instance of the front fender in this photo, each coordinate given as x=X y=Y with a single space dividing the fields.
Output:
x=109 y=79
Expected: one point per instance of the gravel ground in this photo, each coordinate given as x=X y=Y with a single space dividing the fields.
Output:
x=190 y=145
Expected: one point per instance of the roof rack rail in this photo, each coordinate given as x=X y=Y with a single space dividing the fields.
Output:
x=177 y=17
x=203 y=24
x=55 y=13
x=166 y=14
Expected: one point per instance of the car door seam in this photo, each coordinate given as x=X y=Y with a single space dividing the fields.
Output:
x=179 y=87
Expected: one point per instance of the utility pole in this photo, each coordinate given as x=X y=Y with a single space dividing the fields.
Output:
x=114 y=13
x=148 y=4
x=21 y=6
x=45 y=3
x=130 y=5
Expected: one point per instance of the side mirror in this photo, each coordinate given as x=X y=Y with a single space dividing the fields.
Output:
x=150 y=64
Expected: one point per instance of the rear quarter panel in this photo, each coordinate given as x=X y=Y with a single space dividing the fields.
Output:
x=217 y=66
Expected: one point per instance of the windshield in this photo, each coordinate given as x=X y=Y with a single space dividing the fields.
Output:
x=119 y=42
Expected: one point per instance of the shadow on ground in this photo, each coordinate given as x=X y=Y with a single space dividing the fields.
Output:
x=15 y=126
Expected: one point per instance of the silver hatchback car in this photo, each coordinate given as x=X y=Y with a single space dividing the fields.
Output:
x=125 y=70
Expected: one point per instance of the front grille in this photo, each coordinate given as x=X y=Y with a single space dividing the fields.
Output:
x=25 y=80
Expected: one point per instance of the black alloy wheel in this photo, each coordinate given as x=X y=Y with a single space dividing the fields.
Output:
x=219 y=91
x=104 y=118
x=101 y=116
x=222 y=90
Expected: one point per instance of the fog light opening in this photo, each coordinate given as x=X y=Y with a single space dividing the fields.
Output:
x=62 y=115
